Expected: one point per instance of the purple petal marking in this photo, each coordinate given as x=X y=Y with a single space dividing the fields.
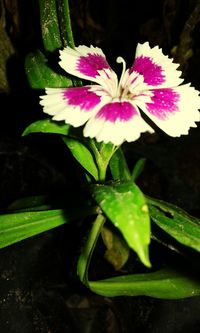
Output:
x=82 y=97
x=164 y=102
x=92 y=63
x=122 y=111
x=152 y=73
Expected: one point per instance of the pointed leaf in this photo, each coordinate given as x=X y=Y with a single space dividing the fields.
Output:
x=176 y=222
x=125 y=206
x=165 y=284
x=138 y=168
x=82 y=155
x=118 y=166
x=18 y=226
x=47 y=126
x=41 y=76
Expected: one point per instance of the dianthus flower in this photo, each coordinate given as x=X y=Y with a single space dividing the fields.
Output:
x=113 y=110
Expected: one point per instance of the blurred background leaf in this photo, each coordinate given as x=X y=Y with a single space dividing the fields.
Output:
x=6 y=48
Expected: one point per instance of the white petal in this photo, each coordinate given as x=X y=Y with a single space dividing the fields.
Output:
x=116 y=131
x=176 y=117
x=88 y=63
x=158 y=69
x=72 y=105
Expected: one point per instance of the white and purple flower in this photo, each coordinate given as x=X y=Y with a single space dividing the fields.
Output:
x=110 y=107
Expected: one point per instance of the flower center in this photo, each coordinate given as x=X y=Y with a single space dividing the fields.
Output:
x=123 y=89
x=130 y=84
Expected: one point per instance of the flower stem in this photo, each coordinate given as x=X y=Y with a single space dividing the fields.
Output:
x=65 y=23
x=102 y=173
x=49 y=25
x=102 y=153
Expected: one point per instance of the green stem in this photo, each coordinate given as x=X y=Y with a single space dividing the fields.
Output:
x=66 y=30
x=86 y=254
x=69 y=32
x=49 y=25
x=102 y=153
x=65 y=23
x=102 y=173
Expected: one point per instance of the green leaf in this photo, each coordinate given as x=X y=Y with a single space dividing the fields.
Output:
x=49 y=25
x=41 y=76
x=47 y=126
x=124 y=204
x=19 y=226
x=176 y=222
x=118 y=166
x=165 y=284
x=102 y=153
x=87 y=251
x=138 y=168
x=82 y=155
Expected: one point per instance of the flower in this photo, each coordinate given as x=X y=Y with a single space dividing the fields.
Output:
x=113 y=110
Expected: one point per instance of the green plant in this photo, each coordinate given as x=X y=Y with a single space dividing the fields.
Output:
x=116 y=201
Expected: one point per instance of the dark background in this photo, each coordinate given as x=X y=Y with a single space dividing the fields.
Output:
x=38 y=289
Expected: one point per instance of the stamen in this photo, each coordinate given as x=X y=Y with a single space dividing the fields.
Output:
x=121 y=60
